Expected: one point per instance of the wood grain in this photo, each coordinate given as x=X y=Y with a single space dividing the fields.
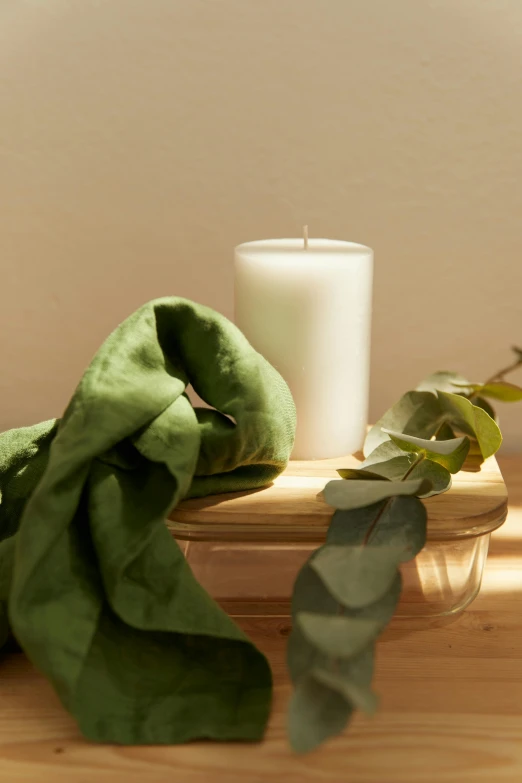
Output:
x=293 y=506
x=451 y=709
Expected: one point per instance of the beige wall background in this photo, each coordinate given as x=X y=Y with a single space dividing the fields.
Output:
x=140 y=140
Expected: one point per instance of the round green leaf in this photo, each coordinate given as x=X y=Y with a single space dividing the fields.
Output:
x=395 y=468
x=346 y=495
x=451 y=454
x=481 y=402
x=358 y=695
x=303 y=656
x=500 y=390
x=383 y=453
x=443 y=381
x=316 y=713
x=439 y=476
x=401 y=524
x=416 y=413
x=310 y=594
x=445 y=432
x=336 y=635
x=359 y=473
x=471 y=420
x=357 y=575
x=382 y=462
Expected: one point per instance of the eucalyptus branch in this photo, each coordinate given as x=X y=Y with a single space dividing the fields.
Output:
x=347 y=592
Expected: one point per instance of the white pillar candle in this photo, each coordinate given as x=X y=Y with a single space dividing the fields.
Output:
x=306 y=306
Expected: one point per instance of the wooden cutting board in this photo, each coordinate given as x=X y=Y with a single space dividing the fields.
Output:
x=293 y=508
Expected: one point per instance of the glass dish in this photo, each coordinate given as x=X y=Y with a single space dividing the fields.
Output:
x=247 y=548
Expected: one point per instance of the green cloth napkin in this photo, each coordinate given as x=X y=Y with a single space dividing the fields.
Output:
x=92 y=585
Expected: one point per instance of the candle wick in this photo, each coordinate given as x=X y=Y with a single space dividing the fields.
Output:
x=305 y=237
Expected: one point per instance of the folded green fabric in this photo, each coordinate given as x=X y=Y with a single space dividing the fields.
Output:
x=92 y=585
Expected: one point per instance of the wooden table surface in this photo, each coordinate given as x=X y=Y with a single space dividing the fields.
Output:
x=451 y=705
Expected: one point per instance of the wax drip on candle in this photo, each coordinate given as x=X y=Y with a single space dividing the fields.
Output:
x=305 y=237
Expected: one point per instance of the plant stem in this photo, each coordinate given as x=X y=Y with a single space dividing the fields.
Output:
x=499 y=376
x=372 y=527
x=414 y=464
x=375 y=521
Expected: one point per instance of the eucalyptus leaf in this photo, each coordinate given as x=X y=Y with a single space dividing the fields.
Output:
x=481 y=402
x=359 y=668
x=444 y=380
x=303 y=657
x=439 y=476
x=499 y=390
x=384 y=452
x=416 y=413
x=357 y=575
x=401 y=523
x=316 y=713
x=444 y=432
x=396 y=469
x=346 y=495
x=473 y=421
x=451 y=454
x=338 y=636
x=311 y=595
x=359 y=696
x=359 y=473
x=389 y=461
x=475 y=458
